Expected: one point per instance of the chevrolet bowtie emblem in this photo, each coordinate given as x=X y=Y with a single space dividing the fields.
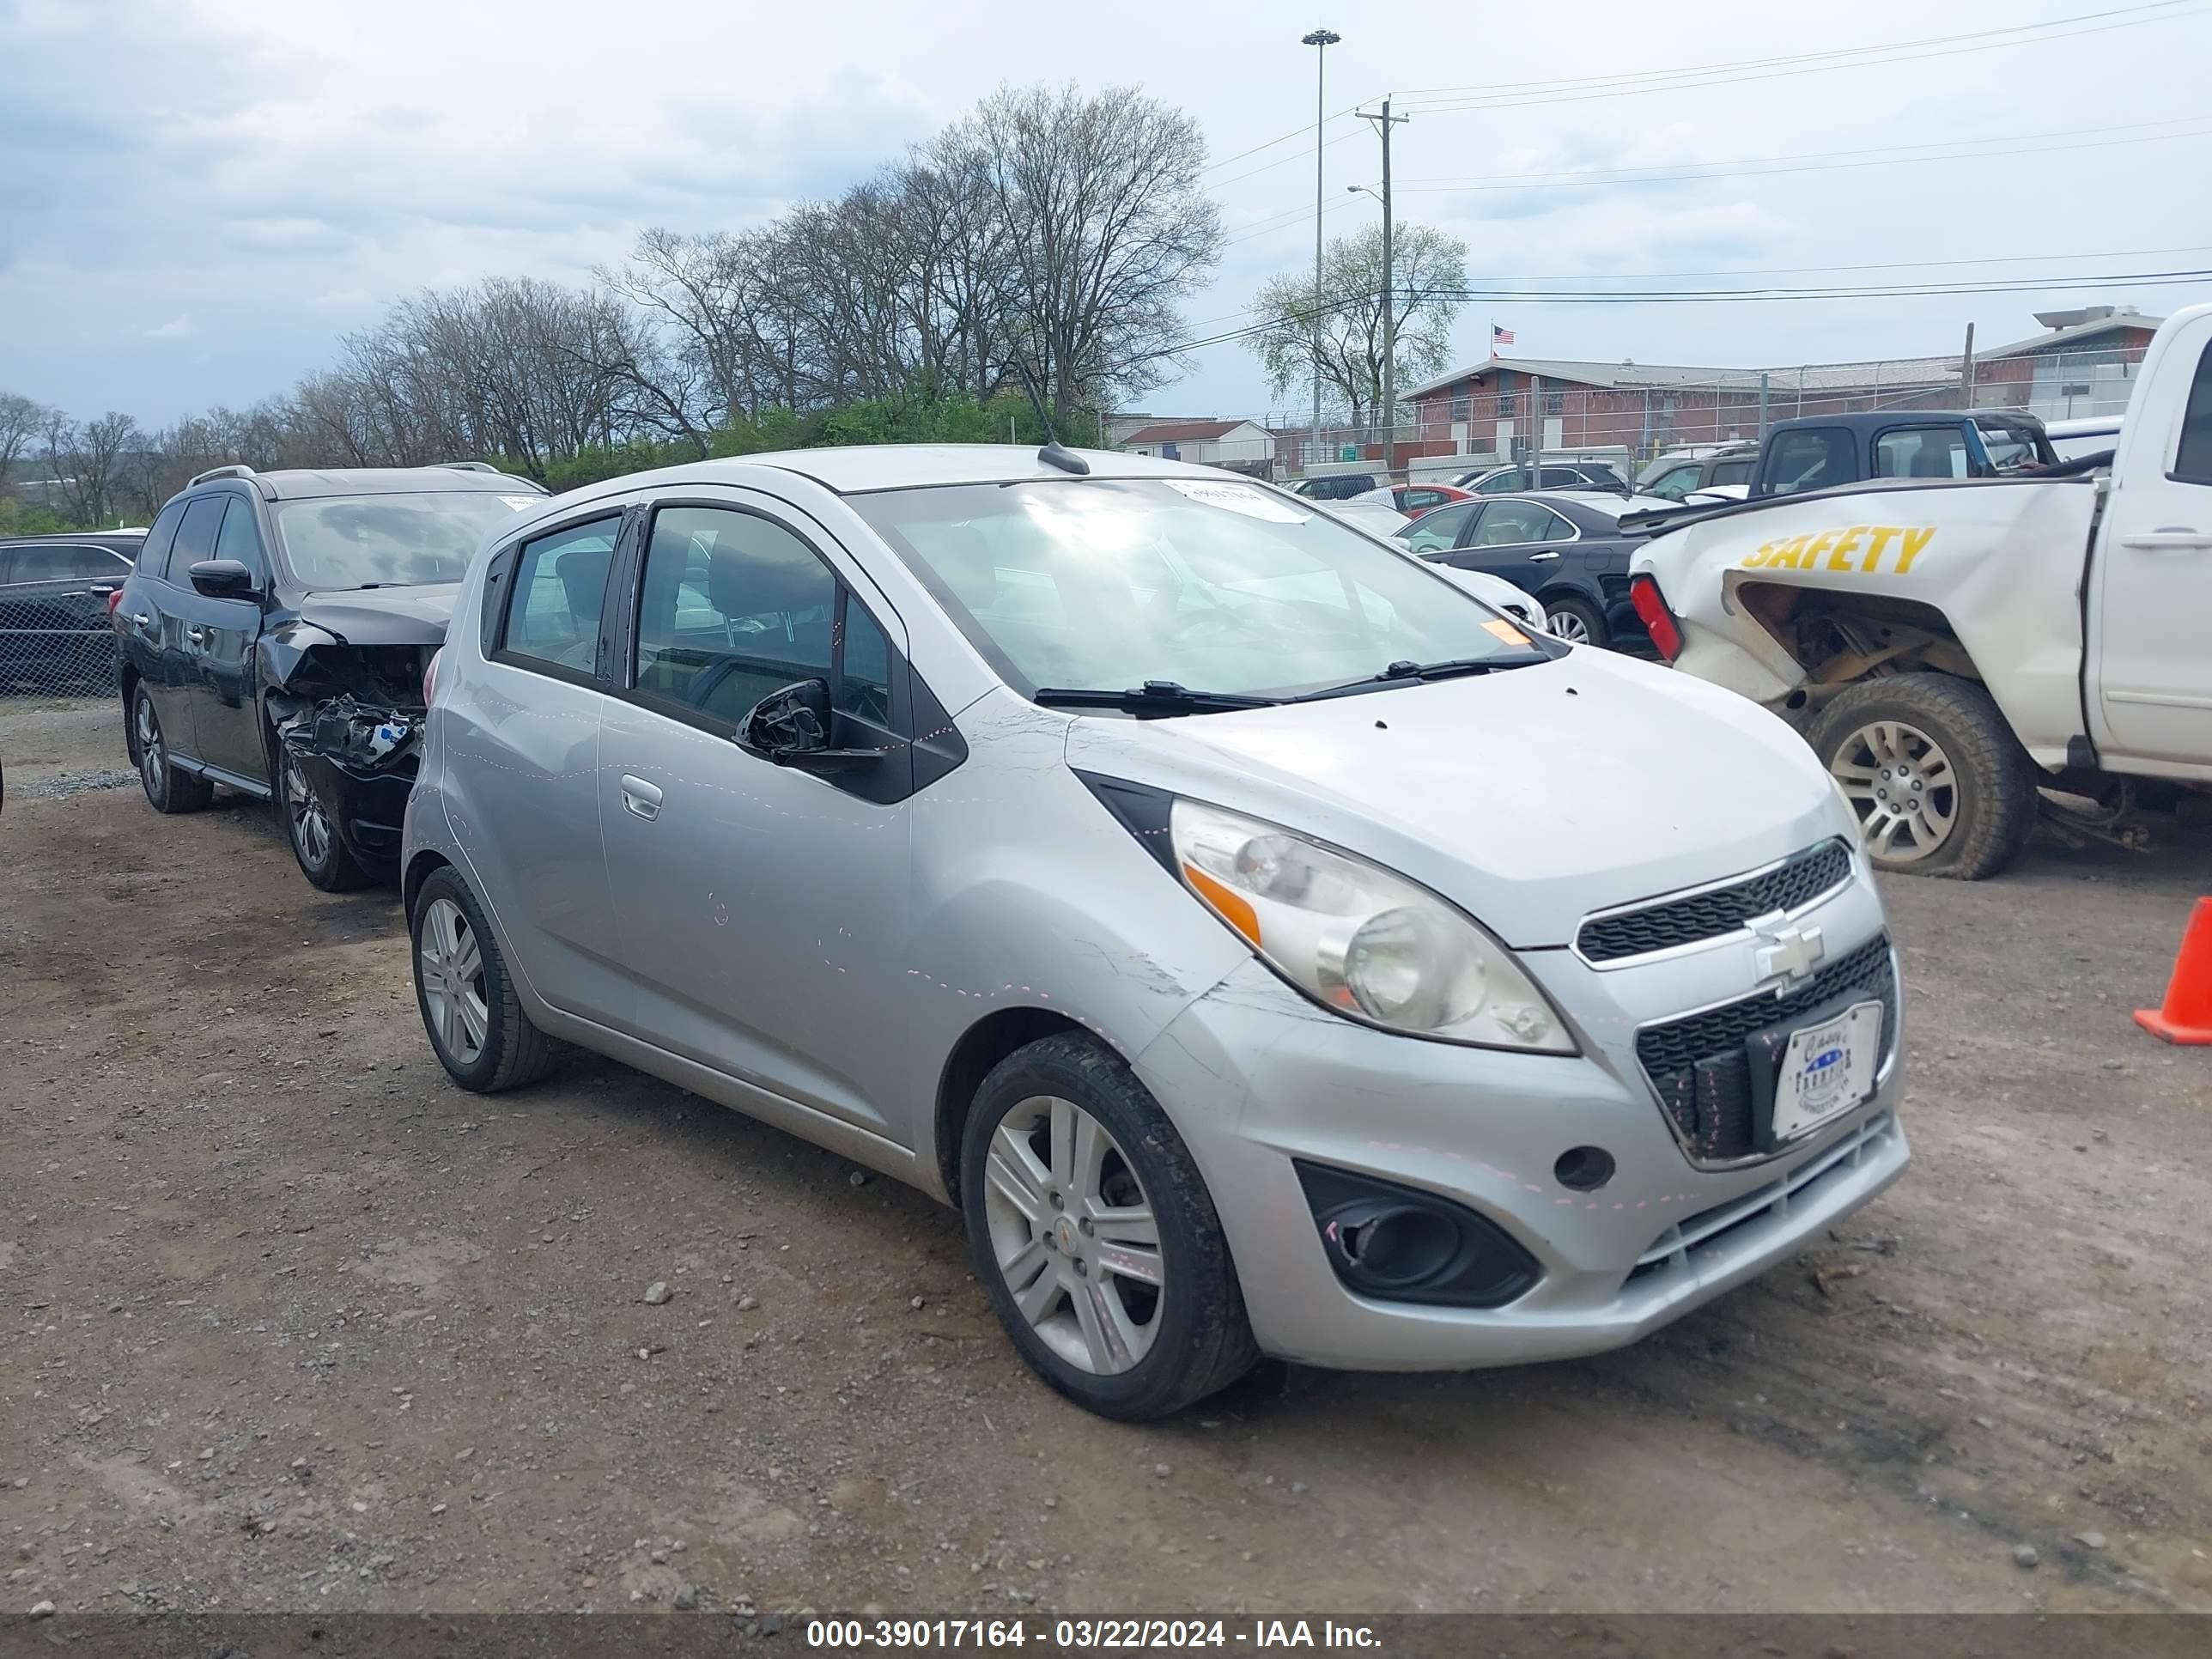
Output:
x=1785 y=952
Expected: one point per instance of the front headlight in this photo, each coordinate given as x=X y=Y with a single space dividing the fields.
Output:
x=1372 y=945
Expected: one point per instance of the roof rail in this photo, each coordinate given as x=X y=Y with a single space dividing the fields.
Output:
x=466 y=466
x=241 y=471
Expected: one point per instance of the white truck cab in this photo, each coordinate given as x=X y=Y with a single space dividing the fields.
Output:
x=1949 y=647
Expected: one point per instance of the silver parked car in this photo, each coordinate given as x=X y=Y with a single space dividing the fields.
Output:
x=1265 y=945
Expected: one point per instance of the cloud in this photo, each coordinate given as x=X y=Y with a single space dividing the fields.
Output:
x=276 y=184
x=175 y=329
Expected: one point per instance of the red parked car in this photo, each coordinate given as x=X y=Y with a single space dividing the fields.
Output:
x=1414 y=499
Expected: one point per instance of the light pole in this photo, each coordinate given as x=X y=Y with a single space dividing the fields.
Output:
x=1322 y=41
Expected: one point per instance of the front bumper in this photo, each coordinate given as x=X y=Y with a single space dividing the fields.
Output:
x=1255 y=1076
x=370 y=813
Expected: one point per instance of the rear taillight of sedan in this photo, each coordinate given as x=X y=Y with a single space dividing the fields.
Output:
x=1658 y=621
x=430 y=676
x=114 y=599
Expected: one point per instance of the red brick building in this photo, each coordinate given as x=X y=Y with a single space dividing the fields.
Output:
x=2083 y=364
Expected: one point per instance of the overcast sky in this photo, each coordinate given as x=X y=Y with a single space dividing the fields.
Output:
x=198 y=197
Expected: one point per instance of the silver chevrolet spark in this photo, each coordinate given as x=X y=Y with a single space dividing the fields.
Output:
x=1267 y=946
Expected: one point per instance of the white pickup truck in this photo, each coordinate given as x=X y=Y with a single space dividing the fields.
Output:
x=1952 y=646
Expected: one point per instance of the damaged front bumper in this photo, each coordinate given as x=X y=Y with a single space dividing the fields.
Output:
x=360 y=759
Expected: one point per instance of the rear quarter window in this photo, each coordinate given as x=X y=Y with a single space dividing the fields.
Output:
x=154 y=552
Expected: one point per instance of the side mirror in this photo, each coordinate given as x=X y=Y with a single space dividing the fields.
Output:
x=792 y=727
x=223 y=579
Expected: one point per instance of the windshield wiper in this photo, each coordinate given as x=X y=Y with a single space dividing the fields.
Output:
x=1404 y=672
x=1152 y=697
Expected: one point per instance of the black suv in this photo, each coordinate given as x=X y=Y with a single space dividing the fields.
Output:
x=54 y=594
x=275 y=636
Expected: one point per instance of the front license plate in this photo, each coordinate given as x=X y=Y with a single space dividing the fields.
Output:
x=1826 y=1069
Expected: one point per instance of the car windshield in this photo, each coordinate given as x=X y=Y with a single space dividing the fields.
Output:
x=389 y=541
x=1109 y=584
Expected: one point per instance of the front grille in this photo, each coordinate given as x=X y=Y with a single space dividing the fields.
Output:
x=1700 y=1069
x=1722 y=910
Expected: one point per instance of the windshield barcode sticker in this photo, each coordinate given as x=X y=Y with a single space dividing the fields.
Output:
x=521 y=503
x=1239 y=498
x=1505 y=631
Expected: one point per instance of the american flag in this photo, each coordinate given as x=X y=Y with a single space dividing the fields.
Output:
x=1499 y=336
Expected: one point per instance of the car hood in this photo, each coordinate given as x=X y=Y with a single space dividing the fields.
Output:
x=1529 y=796
x=384 y=616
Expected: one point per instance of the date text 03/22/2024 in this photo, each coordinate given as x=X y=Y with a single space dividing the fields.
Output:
x=1084 y=1635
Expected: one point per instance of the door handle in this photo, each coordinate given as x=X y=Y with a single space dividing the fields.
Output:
x=143 y=619
x=641 y=797
x=1537 y=558
x=2170 y=538
x=197 y=637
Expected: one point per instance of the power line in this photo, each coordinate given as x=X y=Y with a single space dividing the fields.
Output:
x=1757 y=167
x=1800 y=63
x=1679 y=80
x=1841 y=56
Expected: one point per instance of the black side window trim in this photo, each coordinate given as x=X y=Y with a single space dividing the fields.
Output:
x=509 y=556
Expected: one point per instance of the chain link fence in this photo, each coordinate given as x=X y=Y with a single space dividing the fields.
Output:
x=1644 y=412
x=57 y=636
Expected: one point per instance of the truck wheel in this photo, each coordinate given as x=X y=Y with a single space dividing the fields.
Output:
x=1575 y=621
x=1941 y=785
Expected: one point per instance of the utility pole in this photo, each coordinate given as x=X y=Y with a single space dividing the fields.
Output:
x=1967 y=372
x=1322 y=41
x=1383 y=123
x=1762 y=406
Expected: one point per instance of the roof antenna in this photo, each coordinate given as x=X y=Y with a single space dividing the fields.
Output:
x=1053 y=453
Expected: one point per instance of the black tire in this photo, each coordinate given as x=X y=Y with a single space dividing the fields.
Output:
x=1995 y=799
x=513 y=1051
x=1203 y=1341
x=1591 y=618
x=167 y=789
x=324 y=858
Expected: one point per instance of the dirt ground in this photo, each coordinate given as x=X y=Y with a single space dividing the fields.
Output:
x=289 y=1322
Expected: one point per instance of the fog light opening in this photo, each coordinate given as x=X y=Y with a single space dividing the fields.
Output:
x=1583 y=1169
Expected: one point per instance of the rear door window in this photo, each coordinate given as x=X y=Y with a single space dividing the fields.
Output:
x=1922 y=452
x=1433 y=531
x=558 y=593
x=1810 y=458
x=1725 y=472
x=1509 y=524
x=154 y=552
x=60 y=564
x=196 y=536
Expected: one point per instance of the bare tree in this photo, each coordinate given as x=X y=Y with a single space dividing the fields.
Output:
x=1106 y=232
x=21 y=422
x=89 y=462
x=1430 y=274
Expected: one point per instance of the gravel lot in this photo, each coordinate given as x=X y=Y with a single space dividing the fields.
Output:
x=289 y=1322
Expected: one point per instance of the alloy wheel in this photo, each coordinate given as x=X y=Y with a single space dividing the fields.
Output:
x=153 y=761
x=311 y=824
x=1074 y=1235
x=1565 y=625
x=453 y=981
x=1900 y=782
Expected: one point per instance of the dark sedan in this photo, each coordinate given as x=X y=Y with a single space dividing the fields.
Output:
x=1566 y=551
x=55 y=597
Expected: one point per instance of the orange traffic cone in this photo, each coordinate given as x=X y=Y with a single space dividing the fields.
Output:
x=2187 y=1015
